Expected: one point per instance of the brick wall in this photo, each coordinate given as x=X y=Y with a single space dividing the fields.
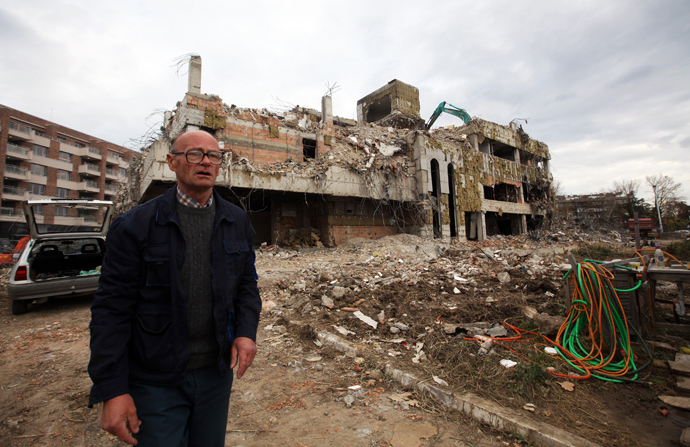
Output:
x=341 y=234
x=260 y=139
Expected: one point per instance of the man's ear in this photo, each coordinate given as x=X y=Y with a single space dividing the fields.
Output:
x=172 y=163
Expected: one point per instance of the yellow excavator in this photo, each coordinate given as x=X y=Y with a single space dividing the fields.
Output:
x=449 y=108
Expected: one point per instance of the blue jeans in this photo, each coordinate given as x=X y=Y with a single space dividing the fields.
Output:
x=192 y=414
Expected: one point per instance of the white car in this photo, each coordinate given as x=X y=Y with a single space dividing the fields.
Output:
x=64 y=256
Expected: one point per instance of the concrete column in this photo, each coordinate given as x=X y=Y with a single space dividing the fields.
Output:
x=327 y=109
x=481 y=226
x=473 y=141
x=194 y=75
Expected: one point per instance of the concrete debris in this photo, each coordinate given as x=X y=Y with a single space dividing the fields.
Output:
x=507 y=363
x=503 y=277
x=402 y=326
x=440 y=381
x=327 y=302
x=371 y=322
x=549 y=324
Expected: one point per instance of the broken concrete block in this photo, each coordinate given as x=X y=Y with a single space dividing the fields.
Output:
x=339 y=292
x=450 y=329
x=497 y=331
x=530 y=312
x=680 y=368
x=327 y=302
x=676 y=401
x=682 y=358
x=402 y=326
x=298 y=287
x=548 y=324
x=370 y=321
x=503 y=277
x=685 y=437
x=683 y=383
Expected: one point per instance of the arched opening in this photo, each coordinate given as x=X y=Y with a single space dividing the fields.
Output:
x=436 y=198
x=452 y=208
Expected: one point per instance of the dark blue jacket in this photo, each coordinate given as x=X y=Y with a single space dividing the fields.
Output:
x=139 y=314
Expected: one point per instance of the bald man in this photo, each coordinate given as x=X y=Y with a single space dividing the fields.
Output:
x=177 y=308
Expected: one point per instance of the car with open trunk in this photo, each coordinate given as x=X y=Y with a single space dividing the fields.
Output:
x=64 y=256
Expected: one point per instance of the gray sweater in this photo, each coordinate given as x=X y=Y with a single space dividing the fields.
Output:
x=197 y=228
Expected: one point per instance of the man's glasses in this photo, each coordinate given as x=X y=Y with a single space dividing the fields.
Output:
x=194 y=156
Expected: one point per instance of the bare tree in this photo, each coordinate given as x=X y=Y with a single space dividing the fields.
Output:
x=557 y=187
x=665 y=190
x=629 y=188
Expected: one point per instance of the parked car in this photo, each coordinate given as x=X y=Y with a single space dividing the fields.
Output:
x=65 y=252
x=7 y=259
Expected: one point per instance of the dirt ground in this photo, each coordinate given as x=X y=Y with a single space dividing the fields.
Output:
x=422 y=296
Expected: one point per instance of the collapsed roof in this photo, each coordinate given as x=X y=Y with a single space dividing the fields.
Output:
x=307 y=177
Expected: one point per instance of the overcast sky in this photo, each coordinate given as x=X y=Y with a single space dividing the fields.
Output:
x=606 y=85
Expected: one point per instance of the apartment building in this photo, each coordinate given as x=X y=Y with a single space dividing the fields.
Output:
x=40 y=159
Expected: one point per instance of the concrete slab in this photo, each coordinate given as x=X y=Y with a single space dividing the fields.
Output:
x=676 y=401
x=683 y=383
x=685 y=438
x=679 y=367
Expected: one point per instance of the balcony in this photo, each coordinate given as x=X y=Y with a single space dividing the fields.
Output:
x=113 y=159
x=40 y=139
x=110 y=190
x=89 y=186
x=9 y=211
x=14 y=193
x=20 y=131
x=70 y=221
x=89 y=169
x=111 y=174
x=16 y=172
x=18 y=152
x=89 y=153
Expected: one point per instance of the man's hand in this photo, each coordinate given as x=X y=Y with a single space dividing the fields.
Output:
x=120 y=418
x=242 y=354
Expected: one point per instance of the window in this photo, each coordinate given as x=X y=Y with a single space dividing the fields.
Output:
x=64 y=175
x=41 y=151
x=308 y=148
x=62 y=140
x=39 y=133
x=78 y=144
x=39 y=170
x=62 y=211
x=37 y=190
x=37 y=209
x=62 y=193
x=65 y=156
x=123 y=172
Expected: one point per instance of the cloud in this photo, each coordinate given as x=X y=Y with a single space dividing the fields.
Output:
x=603 y=84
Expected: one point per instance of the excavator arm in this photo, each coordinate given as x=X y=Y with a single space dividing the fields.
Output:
x=457 y=111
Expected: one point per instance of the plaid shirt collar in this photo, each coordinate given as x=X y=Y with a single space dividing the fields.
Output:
x=184 y=199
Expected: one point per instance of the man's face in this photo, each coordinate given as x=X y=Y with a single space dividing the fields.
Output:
x=194 y=178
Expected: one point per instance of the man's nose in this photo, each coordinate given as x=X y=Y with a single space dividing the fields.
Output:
x=205 y=159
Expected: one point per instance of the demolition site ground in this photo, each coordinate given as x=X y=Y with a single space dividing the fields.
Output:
x=406 y=303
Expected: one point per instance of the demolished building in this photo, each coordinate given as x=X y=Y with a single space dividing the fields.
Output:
x=308 y=178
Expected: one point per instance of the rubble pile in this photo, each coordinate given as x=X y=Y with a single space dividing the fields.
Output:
x=449 y=314
x=404 y=281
